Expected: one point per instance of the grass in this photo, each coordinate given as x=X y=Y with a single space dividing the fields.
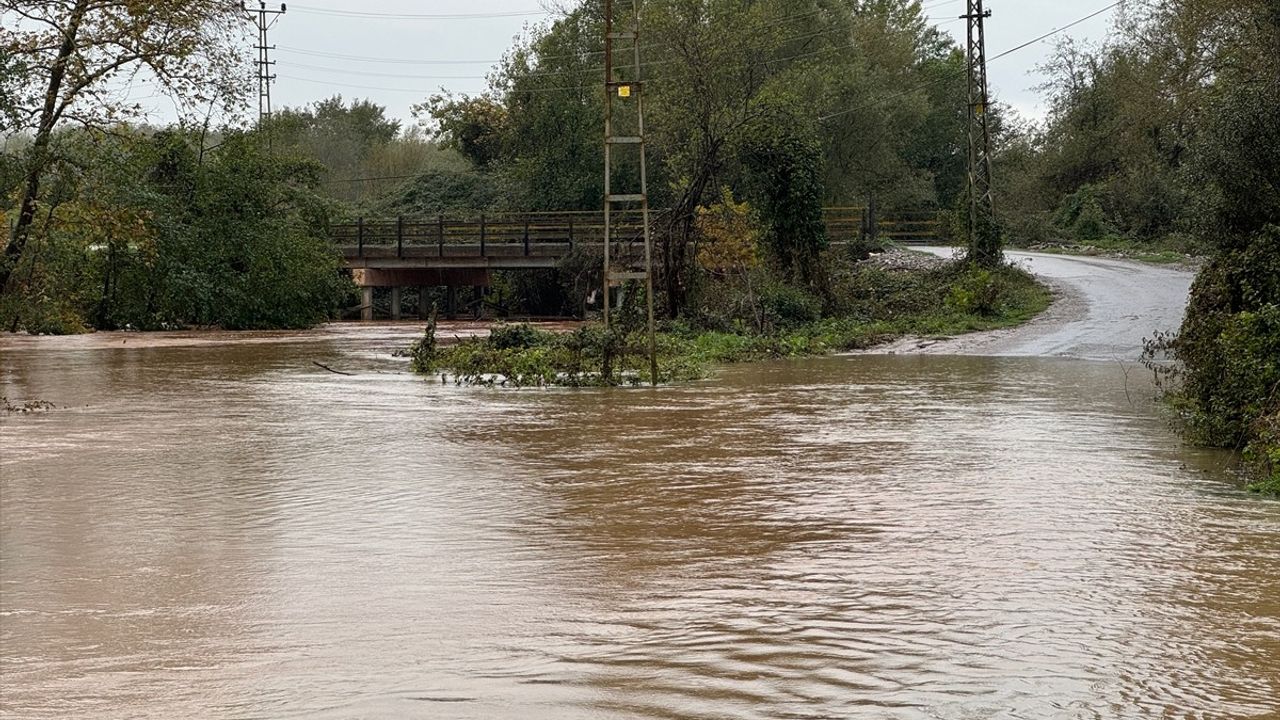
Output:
x=1170 y=251
x=930 y=303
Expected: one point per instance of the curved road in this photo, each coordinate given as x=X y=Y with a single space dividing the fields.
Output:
x=1104 y=309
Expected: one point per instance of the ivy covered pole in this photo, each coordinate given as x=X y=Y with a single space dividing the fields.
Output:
x=983 y=233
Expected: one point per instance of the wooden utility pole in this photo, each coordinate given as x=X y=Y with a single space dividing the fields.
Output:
x=632 y=91
x=984 y=237
x=264 y=19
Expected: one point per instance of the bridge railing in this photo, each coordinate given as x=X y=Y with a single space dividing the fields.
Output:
x=557 y=233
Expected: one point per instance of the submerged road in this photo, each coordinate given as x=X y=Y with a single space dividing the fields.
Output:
x=1104 y=310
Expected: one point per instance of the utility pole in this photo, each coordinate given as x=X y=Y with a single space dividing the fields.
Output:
x=984 y=237
x=264 y=19
x=630 y=90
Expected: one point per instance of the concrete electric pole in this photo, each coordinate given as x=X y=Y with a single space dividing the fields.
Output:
x=984 y=236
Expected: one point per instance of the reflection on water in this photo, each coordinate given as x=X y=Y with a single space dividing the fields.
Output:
x=226 y=530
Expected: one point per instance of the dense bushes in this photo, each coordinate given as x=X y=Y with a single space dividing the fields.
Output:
x=151 y=231
x=1229 y=345
x=440 y=190
x=1229 y=386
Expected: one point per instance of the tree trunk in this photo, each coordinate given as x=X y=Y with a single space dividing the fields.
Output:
x=40 y=147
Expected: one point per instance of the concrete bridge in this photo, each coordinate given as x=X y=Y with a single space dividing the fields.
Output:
x=456 y=253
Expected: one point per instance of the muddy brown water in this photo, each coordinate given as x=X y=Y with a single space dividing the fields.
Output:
x=213 y=527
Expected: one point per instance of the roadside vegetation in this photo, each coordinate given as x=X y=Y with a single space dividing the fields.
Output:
x=1167 y=138
x=867 y=306
x=1168 y=252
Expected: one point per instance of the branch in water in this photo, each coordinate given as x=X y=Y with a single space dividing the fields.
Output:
x=335 y=372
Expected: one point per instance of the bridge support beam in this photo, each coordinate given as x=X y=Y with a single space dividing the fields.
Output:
x=410 y=277
x=422 y=278
x=424 y=308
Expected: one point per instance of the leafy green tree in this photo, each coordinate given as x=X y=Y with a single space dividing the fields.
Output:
x=716 y=74
x=474 y=126
x=552 y=132
x=354 y=141
x=148 y=231
x=784 y=157
x=71 y=50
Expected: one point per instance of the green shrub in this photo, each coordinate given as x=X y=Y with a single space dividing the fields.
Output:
x=518 y=337
x=1263 y=453
x=977 y=292
x=1081 y=215
x=1229 y=345
x=423 y=353
x=787 y=306
x=1091 y=224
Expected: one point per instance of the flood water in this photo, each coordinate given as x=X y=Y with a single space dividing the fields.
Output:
x=226 y=530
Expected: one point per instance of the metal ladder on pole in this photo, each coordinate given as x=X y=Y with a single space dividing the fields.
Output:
x=632 y=90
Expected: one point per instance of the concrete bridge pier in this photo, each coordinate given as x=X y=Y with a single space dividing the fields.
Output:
x=395 y=303
x=423 y=310
x=451 y=302
x=398 y=278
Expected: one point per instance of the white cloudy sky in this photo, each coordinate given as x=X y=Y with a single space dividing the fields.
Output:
x=327 y=47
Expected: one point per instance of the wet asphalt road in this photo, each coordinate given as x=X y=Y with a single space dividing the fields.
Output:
x=1104 y=310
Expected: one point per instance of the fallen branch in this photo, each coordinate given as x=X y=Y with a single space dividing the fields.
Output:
x=322 y=366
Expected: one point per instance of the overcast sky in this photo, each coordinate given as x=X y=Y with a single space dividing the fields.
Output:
x=397 y=61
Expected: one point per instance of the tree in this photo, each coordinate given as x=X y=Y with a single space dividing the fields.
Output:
x=72 y=49
x=351 y=140
x=733 y=95
x=784 y=156
x=474 y=126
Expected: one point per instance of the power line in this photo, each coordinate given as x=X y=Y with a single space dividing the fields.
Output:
x=562 y=88
x=365 y=73
x=559 y=73
x=831 y=116
x=541 y=58
x=990 y=60
x=389 y=61
x=548 y=73
x=414 y=16
x=1055 y=31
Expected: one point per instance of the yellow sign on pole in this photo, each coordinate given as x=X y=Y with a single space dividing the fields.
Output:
x=624 y=91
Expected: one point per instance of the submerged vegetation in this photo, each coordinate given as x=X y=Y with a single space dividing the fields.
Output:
x=794 y=326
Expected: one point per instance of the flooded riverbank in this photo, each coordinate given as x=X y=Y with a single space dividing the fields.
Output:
x=226 y=530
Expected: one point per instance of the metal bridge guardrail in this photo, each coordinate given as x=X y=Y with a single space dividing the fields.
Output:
x=536 y=233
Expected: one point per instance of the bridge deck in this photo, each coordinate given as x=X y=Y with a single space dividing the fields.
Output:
x=542 y=240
